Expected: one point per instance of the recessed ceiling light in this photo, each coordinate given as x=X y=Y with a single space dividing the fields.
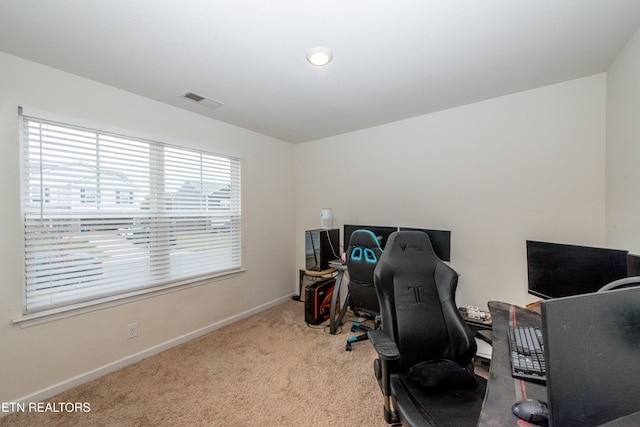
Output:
x=319 y=56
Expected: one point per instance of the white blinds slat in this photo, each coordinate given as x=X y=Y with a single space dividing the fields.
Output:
x=107 y=215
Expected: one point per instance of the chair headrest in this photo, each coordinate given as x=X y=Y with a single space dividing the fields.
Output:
x=409 y=241
x=364 y=239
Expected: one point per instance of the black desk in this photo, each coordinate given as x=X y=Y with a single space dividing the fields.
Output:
x=502 y=389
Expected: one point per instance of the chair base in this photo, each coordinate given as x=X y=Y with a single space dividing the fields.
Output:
x=354 y=328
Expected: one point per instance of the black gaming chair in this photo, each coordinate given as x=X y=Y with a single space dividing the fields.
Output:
x=362 y=257
x=425 y=349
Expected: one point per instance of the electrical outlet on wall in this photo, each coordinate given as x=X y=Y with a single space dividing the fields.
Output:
x=132 y=330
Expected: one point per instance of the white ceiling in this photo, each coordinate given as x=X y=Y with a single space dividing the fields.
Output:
x=393 y=59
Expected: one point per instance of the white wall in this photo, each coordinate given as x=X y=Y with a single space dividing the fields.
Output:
x=524 y=166
x=44 y=359
x=496 y=173
x=623 y=149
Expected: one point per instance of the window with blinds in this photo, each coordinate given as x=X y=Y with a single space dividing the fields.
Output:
x=108 y=216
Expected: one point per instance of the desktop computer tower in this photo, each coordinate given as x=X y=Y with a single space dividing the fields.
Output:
x=320 y=247
x=317 y=301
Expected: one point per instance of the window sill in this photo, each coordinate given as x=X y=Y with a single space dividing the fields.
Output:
x=46 y=316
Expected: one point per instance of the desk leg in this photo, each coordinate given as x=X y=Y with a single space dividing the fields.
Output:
x=334 y=322
x=301 y=277
x=300 y=280
x=334 y=299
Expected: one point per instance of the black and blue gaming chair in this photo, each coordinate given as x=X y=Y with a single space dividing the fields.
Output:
x=362 y=257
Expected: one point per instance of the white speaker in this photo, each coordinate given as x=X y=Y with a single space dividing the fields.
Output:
x=326 y=218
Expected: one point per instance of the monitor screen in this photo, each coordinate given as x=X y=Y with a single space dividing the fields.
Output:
x=320 y=247
x=633 y=265
x=558 y=270
x=311 y=250
x=440 y=240
x=382 y=232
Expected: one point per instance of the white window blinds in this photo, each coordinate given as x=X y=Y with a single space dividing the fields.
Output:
x=107 y=215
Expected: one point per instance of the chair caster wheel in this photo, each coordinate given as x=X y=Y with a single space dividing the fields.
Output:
x=354 y=329
x=348 y=347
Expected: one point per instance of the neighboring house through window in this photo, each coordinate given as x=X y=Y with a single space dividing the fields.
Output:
x=108 y=216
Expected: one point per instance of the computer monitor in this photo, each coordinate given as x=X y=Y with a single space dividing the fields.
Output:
x=440 y=240
x=592 y=354
x=558 y=270
x=382 y=232
x=633 y=265
x=320 y=247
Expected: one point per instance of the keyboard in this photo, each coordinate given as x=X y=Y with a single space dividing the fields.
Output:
x=527 y=353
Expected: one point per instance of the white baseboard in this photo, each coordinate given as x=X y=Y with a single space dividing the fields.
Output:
x=131 y=359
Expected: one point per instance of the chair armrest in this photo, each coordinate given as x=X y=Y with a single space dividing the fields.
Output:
x=384 y=345
x=387 y=352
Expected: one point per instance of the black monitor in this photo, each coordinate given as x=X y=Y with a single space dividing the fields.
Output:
x=381 y=232
x=440 y=240
x=320 y=247
x=633 y=265
x=557 y=270
x=592 y=349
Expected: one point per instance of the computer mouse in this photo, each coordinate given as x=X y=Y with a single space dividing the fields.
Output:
x=532 y=410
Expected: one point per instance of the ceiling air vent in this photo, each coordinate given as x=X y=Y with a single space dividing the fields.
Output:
x=202 y=100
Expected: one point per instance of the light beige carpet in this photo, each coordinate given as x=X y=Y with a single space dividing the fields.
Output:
x=267 y=370
x=270 y=369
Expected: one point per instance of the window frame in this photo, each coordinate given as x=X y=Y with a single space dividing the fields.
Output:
x=123 y=197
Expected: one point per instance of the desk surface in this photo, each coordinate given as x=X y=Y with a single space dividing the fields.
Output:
x=502 y=389
x=320 y=273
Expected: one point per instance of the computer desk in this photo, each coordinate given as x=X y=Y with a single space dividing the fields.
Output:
x=502 y=389
x=336 y=314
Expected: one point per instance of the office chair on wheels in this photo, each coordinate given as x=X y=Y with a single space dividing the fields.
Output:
x=627 y=282
x=425 y=349
x=362 y=257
